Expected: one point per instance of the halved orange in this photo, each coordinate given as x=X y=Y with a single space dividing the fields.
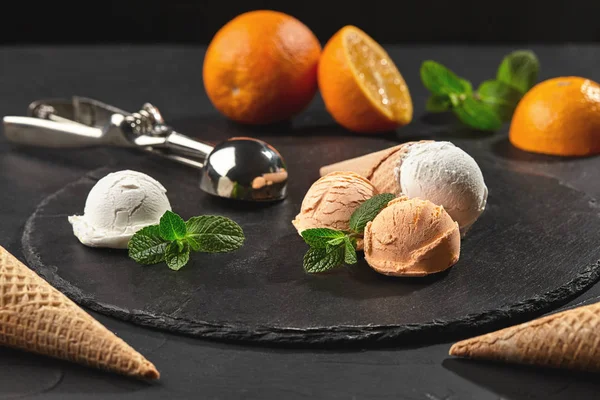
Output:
x=360 y=84
x=559 y=116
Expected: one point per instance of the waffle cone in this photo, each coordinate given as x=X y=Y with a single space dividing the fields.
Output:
x=36 y=317
x=569 y=339
x=378 y=167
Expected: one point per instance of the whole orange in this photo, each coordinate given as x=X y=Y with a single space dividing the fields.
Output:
x=361 y=87
x=560 y=116
x=261 y=67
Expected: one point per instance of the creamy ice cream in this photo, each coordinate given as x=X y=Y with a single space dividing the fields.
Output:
x=411 y=237
x=443 y=174
x=377 y=167
x=331 y=200
x=119 y=205
x=432 y=170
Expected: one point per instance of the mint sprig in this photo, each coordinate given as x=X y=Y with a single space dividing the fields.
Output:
x=177 y=255
x=440 y=80
x=501 y=97
x=171 y=226
x=350 y=251
x=494 y=101
x=147 y=246
x=213 y=234
x=173 y=239
x=331 y=248
x=477 y=114
x=368 y=211
x=438 y=103
x=319 y=238
x=323 y=259
x=519 y=69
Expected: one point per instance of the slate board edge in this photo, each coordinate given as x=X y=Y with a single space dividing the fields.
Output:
x=376 y=335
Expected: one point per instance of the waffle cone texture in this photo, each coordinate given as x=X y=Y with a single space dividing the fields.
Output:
x=36 y=317
x=378 y=167
x=569 y=339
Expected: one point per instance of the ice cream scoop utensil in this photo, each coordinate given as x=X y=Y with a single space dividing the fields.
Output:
x=240 y=168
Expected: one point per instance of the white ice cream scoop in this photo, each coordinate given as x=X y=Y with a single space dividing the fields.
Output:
x=119 y=205
x=445 y=175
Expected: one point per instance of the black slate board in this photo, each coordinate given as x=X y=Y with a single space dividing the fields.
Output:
x=530 y=250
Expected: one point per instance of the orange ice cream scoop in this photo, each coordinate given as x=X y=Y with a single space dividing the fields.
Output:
x=412 y=237
x=331 y=200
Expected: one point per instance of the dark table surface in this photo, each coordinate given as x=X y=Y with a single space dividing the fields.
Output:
x=170 y=77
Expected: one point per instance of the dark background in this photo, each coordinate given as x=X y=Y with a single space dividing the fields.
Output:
x=168 y=76
x=388 y=21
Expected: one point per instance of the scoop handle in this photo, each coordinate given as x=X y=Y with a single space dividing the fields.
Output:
x=45 y=133
x=183 y=145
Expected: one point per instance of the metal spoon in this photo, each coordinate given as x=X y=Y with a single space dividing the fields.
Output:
x=240 y=168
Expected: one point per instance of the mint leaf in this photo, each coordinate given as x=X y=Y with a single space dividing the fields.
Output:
x=456 y=99
x=467 y=86
x=320 y=237
x=440 y=80
x=500 y=96
x=214 y=234
x=519 y=69
x=349 y=251
x=477 y=115
x=336 y=241
x=321 y=260
x=146 y=246
x=172 y=227
x=438 y=103
x=353 y=241
x=368 y=211
x=173 y=239
x=192 y=242
x=175 y=257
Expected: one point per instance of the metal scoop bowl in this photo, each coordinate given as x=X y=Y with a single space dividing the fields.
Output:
x=240 y=168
